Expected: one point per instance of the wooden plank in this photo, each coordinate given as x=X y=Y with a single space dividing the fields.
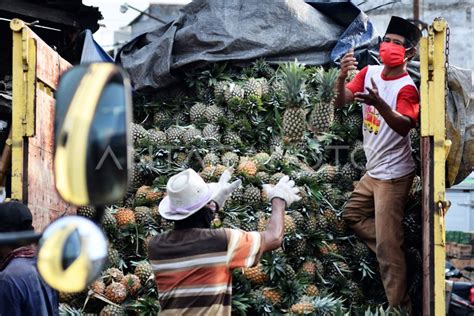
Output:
x=43 y=199
x=50 y=64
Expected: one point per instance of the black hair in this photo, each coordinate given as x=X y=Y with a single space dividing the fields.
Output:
x=200 y=219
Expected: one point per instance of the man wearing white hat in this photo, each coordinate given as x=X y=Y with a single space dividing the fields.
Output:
x=193 y=263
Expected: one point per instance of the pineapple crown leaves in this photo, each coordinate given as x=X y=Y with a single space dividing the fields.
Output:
x=274 y=266
x=293 y=290
x=390 y=311
x=240 y=304
x=146 y=306
x=294 y=78
x=365 y=269
x=328 y=304
x=324 y=81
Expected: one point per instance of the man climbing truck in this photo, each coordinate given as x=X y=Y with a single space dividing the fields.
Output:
x=376 y=208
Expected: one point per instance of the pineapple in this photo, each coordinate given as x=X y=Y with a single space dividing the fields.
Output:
x=330 y=248
x=138 y=133
x=357 y=155
x=113 y=257
x=174 y=134
x=277 y=154
x=354 y=121
x=98 y=286
x=211 y=131
x=302 y=308
x=125 y=216
x=231 y=222
x=262 y=221
x=274 y=296
x=136 y=178
x=190 y=135
x=220 y=88
x=263 y=177
x=213 y=114
x=140 y=195
x=211 y=159
x=67 y=297
x=247 y=168
x=231 y=139
x=116 y=292
x=276 y=177
x=331 y=219
x=253 y=88
x=230 y=159
x=360 y=251
x=143 y=215
x=252 y=196
x=131 y=283
x=196 y=112
x=349 y=172
x=161 y=119
x=248 y=224
x=308 y=270
x=294 y=117
x=153 y=196
x=108 y=220
x=312 y=290
x=157 y=137
x=327 y=173
x=112 y=310
x=322 y=115
x=262 y=69
x=238 y=195
x=261 y=159
x=310 y=225
x=298 y=218
x=233 y=91
x=86 y=211
x=255 y=275
x=112 y=275
x=340 y=227
x=289 y=223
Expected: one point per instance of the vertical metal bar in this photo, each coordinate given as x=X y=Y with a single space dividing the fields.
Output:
x=416 y=9
x=18 y=108
x=24 y=90
x=433 y=132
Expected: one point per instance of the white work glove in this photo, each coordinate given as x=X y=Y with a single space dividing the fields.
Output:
x=285 y=190
x=225 y=188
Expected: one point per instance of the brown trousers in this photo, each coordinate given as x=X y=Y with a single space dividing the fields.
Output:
x=375 y=212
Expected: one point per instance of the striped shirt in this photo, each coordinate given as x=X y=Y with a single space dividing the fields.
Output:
x=193 y=268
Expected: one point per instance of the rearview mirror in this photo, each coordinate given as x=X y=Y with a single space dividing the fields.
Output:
x=72 y=253
x=92 y=156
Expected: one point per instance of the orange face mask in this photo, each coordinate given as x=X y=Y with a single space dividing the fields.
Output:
x=391 y=54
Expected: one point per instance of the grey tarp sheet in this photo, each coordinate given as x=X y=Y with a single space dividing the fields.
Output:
x=459 y=125
x=208 y=31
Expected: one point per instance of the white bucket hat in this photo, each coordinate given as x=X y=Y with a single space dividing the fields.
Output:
x=187 y=193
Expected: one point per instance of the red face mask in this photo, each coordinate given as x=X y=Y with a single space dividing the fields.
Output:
x=391 y=54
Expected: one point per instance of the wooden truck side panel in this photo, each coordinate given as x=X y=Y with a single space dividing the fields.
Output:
x=36 y=71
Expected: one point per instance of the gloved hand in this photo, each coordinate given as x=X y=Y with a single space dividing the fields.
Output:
x=225 y=188
x=285 y=190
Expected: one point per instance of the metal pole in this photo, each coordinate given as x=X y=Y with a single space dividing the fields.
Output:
x=416 y=10
x=147 y=14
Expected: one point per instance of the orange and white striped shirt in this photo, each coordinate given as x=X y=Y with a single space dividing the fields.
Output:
x=193 y=268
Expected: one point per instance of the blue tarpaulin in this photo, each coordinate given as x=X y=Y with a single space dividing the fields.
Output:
x=93 y=52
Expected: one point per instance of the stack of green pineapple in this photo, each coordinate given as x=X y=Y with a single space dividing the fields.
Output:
x=264 y=123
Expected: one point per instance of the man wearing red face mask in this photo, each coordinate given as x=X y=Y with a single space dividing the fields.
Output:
x=390 y=107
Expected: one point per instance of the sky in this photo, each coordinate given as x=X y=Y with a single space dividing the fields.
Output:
x=114 y=19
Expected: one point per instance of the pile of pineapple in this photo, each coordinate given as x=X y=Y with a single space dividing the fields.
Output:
x=264 y=123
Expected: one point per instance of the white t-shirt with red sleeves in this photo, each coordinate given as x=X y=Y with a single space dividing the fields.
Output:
x=389 y=155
